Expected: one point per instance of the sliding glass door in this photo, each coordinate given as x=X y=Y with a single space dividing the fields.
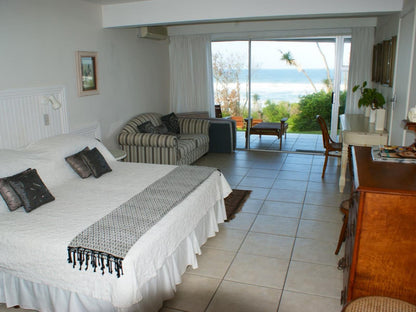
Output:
x=267 y=80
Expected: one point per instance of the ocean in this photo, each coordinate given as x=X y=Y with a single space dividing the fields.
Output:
x=281 y=84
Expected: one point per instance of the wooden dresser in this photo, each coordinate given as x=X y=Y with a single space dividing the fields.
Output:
x=380 y=250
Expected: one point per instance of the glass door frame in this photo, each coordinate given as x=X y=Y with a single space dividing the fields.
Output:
x=247 y=137
x=339 y=56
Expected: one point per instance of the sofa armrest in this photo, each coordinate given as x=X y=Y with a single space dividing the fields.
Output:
x=147 y=139
x=220 y=138
x=194 y=126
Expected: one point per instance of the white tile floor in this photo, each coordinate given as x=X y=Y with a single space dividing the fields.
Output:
x=278 y=253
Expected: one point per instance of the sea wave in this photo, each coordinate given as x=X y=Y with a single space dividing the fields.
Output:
x=277 y=91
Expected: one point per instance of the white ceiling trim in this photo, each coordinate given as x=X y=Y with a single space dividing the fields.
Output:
x=168 y=12
x=275 y=29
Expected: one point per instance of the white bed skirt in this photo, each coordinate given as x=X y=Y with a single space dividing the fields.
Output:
x=29 y=295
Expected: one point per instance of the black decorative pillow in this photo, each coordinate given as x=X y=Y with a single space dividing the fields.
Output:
x=147 y=127
x=9 y=195
x=31 y=190
x=162 y=129
x=172 y=123
x=96 y=162
x=12 y=200
x=78 y=165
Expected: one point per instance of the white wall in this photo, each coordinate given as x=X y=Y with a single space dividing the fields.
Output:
x=404 y=83
x=186 y=11
x=387 y=27
x=38 y=40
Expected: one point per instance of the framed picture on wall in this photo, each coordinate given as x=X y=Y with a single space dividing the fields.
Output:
x=87 y=73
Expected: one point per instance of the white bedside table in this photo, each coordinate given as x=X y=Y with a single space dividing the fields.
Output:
x=118 y=154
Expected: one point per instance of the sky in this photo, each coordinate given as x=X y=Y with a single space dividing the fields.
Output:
x=266 y=54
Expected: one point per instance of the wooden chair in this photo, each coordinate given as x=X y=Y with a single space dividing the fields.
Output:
x=239 y=121
x=218 y=113
x=256 y=121
x=332 y=148
x=345 y=208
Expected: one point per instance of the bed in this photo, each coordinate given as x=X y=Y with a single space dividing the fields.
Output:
x=34 y=271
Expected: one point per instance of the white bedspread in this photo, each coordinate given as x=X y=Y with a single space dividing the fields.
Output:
x=33 y=246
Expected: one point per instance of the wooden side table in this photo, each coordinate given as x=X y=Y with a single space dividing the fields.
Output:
x=357 y=130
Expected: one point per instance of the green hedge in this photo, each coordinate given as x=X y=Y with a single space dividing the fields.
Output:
x=310 y=105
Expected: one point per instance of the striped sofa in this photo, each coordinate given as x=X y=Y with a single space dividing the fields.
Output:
x=186 y=148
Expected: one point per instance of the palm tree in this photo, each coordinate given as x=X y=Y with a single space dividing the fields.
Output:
x=287 y=57
x=256 y=99
x=328 y=80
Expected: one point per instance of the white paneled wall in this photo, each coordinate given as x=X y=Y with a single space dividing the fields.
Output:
x=25 y=117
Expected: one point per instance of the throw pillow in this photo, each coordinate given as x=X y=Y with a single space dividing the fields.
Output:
x=78 y=165
x=172 y=123
x=12 y=200
x=162 y=129
x=96 y=162
x=31 y=190
x=146 y=127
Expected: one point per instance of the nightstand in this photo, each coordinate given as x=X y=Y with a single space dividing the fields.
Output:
x=118 y=154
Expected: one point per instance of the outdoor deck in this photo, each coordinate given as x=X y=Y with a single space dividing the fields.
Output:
x=295 y=142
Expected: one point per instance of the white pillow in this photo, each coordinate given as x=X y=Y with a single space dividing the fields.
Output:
x=58 y=147
x=47 y=156
x=15 y=161
x=64 y=145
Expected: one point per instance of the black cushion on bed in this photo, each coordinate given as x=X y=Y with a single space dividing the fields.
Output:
x=78 y=165
x=172 y=123
x=11 y=198
x=31 y=190
x=96 y=162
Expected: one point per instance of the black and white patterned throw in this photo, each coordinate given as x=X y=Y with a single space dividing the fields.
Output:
x=106 y=242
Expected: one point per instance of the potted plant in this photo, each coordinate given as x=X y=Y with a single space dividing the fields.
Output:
x=374 y=102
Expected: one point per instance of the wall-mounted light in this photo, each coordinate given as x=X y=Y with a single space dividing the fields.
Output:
x=51 y=99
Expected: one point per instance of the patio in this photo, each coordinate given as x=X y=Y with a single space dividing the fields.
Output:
x=294 y=142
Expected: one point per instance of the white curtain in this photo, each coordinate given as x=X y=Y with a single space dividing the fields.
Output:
x=362 y=41
x=191 y=74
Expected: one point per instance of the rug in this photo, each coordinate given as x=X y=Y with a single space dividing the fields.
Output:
x=234 y=202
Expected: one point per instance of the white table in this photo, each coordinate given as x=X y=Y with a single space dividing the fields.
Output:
x=357 y=130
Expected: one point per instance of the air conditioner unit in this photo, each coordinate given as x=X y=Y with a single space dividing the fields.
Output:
x=153 y=32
